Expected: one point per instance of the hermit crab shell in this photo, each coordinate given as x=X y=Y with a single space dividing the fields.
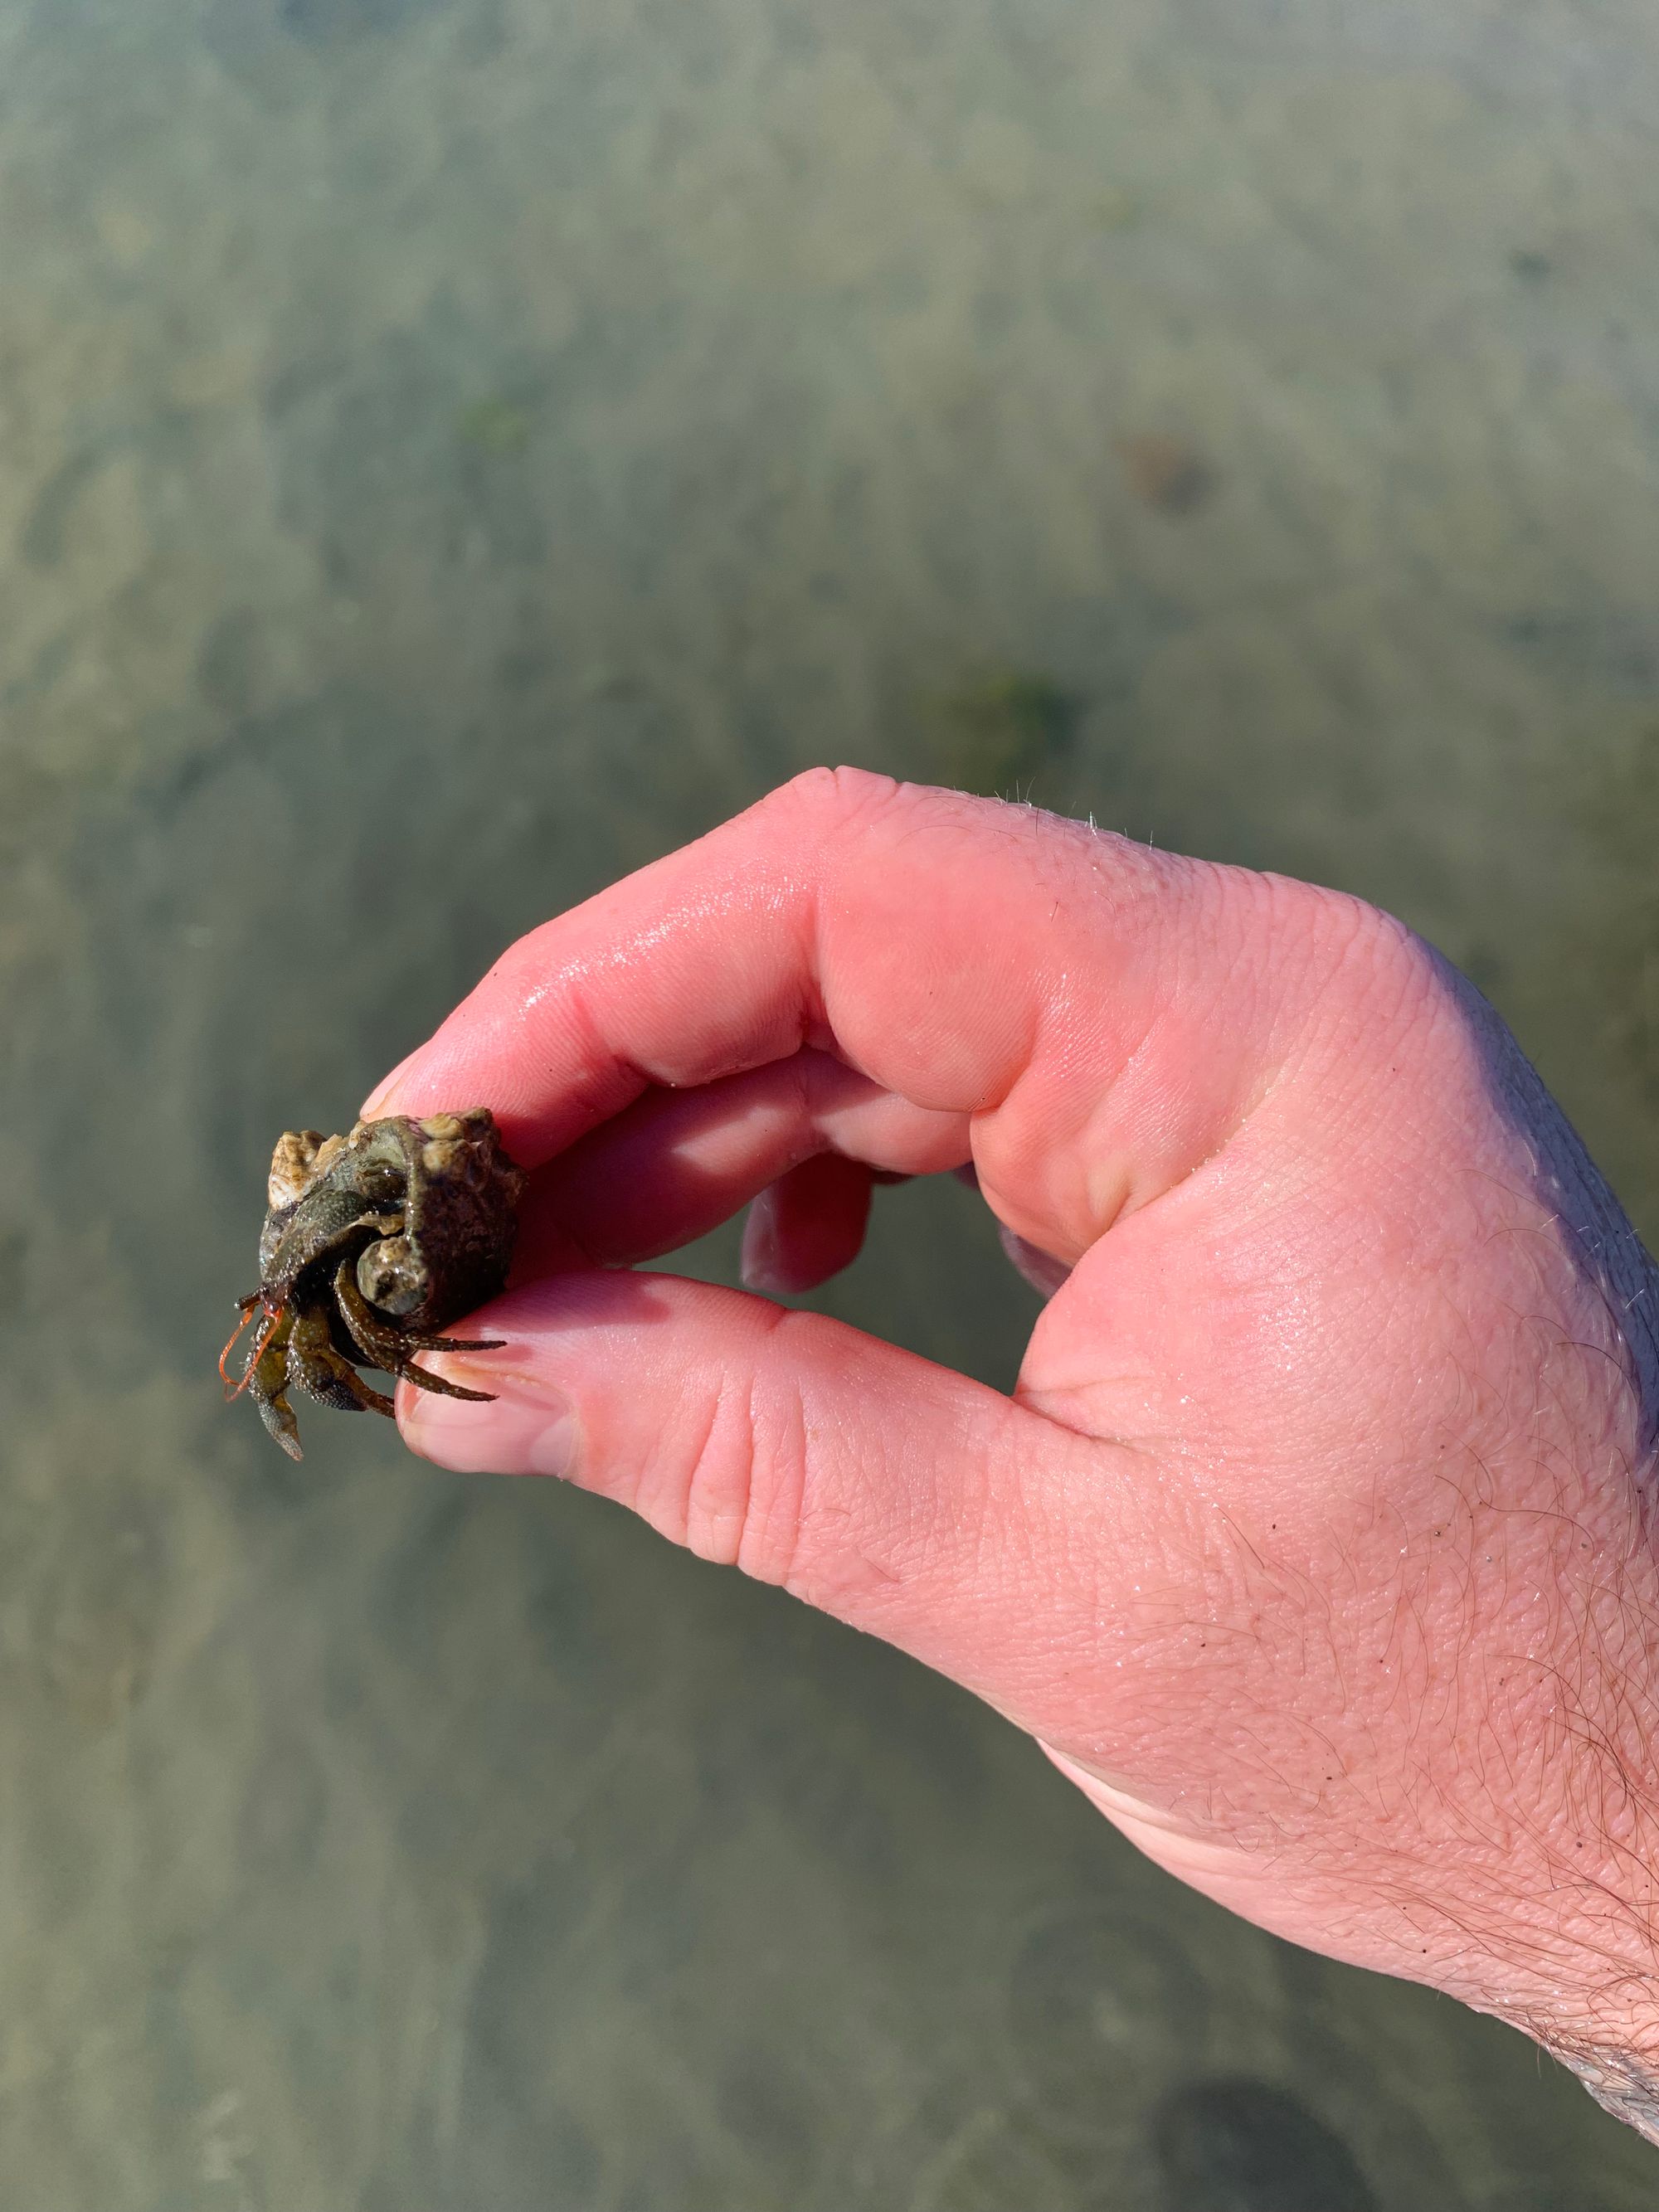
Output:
x=448 y=1178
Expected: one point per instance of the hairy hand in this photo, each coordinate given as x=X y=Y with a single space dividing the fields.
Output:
x=1313 y=1543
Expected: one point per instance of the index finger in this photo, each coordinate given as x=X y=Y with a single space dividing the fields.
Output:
x=968 y=956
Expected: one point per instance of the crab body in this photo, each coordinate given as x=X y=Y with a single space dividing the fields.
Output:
x=373 y=1242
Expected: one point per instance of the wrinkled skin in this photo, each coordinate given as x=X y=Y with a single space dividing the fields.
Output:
x=372 y=1242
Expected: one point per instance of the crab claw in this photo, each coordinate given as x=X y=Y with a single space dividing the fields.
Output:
x=278 y=1416
x=266 y=1381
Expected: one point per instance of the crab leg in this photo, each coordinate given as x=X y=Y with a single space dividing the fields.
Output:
x=374 y=1337
x=417 y=1342
x=409 y=1372
x=315 y=1367
x=393 y=1349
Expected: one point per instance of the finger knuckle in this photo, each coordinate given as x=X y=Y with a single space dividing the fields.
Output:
x=748 y=1476
x=830 y=797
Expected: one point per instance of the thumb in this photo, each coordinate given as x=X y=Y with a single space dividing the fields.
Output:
x=984 y=1538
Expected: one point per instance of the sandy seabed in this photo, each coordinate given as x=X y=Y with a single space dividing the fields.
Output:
x=450 y=451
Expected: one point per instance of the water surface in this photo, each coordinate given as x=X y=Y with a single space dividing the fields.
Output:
x=451 y=451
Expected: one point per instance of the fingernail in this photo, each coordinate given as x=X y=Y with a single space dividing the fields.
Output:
x=760 y=1261
x=1041 y=1269
x=529 y=1427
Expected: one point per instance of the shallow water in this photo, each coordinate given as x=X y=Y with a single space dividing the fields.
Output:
x=451 y=450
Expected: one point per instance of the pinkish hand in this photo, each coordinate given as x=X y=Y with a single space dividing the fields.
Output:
x=1312 y=1544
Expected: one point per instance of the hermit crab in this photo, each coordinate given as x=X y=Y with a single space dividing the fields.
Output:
x=373 y=1242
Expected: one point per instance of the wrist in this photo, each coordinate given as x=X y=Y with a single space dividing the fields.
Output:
x=1576 y=1951
x=1623 y=2078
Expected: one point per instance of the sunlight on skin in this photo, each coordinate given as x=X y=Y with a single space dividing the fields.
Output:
x=1310 y=1544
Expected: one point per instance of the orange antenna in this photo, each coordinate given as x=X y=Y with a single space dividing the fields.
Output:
x=248 y=1307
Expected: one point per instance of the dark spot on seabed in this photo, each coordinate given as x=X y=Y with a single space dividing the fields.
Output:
x=13 y=1251
x=1100 y=1994
x=997 y=730
x=1243 y=2146
x=1166 y=473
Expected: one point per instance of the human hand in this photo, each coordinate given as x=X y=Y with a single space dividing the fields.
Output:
x=1313 y=1544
